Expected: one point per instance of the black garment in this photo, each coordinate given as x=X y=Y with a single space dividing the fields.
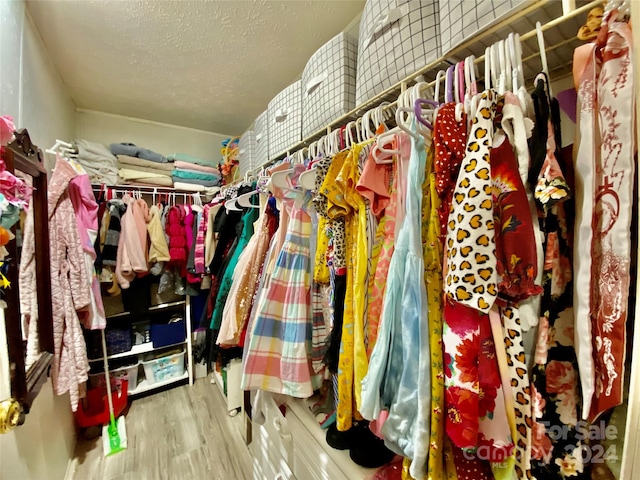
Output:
x=110 y=250
x=335 y=337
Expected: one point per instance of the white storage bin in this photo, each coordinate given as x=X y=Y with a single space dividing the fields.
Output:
x=460 y=20
x=164 y=368
x=329 y=83
x=261 y=131
x=397 y=38
x=285 y=120
x=246 y=152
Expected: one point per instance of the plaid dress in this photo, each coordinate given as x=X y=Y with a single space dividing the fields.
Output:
x=279 y=350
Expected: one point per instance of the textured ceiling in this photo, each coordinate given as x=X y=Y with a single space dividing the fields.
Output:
x=211 y=65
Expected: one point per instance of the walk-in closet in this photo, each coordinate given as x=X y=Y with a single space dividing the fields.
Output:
x=319 y=240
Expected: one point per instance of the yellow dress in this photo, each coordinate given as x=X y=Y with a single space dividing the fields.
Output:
x=334 y=189
x=344 y=199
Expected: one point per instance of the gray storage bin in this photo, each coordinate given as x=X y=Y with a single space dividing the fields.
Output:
x=397 y=38
x=285 y=120
x=460 y=20
x=329 y=83
x=261 y=130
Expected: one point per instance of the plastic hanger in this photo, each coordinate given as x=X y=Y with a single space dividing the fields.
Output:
x=495 y=67
x=244 y=200
x=419 y=110
x=456 y=83
x=439 y=76
x=471 y=97
x=487 y=68
x=543 y=55
x=279 y=178
x=196 y=202
x=448 y=86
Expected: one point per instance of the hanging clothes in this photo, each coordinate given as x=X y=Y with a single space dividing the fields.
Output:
x=279 y=350
x=245 y=281
x=70 y=288
x=247 y=221
x=605 y=168
x=554 y=376
x=410 y=403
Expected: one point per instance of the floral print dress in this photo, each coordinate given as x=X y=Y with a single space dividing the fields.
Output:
x=554 y=376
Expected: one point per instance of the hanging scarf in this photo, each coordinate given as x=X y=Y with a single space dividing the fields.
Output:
x=604 y=169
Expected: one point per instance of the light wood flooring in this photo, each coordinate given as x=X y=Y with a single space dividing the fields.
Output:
x=182 y=433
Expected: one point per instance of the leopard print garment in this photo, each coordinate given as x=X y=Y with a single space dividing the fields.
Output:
x=520 y=388
x=471 y=251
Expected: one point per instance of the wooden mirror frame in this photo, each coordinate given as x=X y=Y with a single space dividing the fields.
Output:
x=22 y=155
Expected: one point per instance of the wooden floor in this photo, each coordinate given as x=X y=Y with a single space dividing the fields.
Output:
x=182 y=433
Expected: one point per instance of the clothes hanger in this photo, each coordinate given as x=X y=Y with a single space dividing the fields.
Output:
x=448 y=86
x=348 y=137
x=402 y=115
x=487 y=68
x=196 y=203
x=471 y=91
x=244 y=200
x=279 y=178
x=456 y=83
x=419 y=111
x=495 y=67
x=439 y=76
x=543 y=56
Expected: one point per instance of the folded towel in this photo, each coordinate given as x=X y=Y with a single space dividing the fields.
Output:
x=133 y=162
x=192 y=187
x=135 y=151
x=194 y=166
x=193 y=181
x=194 y=175
x=96 y=159
x=183 y=157
x=128 y=175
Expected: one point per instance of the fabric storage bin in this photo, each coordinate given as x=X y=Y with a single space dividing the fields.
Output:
x=397 y=38
x=284 y=117
x=164 y=368
x=460 y=20
x=165 y=334
x=261 y=131
x=118 y=338
x=246 y=152
x=329 y=83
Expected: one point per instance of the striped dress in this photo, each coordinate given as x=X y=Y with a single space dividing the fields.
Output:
x=279 y=350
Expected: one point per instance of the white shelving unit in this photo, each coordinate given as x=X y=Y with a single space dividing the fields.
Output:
x=139 y=350
x=231 y=391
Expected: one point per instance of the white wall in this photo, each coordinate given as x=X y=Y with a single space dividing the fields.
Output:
x=32 y=92
x=160 y=137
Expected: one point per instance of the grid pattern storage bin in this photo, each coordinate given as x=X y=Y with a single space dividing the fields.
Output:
x=397 y=38
x=329 y=83
x=261 y=131
x=164 y=368
x=460 y=20
x=285 y=120
x=246 y=152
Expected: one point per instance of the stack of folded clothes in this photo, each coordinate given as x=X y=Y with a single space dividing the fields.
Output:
x=192 y=173
x=98 y=162
x=141 y=166
x=139 y=171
